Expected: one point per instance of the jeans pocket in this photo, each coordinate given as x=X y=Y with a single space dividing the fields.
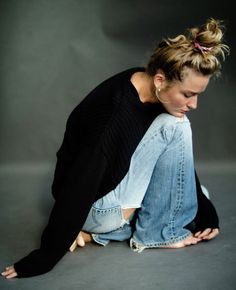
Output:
x=104 y=220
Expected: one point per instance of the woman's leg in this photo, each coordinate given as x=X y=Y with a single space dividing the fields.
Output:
x=170 y=201
x=167 y=143
x=107 y=220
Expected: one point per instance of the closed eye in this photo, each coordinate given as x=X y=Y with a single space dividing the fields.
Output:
x=189 y=96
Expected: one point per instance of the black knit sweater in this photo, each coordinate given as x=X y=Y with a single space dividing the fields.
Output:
x=101 y=135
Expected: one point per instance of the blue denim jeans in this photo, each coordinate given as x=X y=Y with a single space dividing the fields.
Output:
x=160 y=183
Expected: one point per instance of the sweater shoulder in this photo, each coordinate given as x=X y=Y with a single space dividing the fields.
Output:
x=100 y=105
x=112 y=86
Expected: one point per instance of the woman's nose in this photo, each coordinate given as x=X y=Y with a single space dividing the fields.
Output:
x=192 y=103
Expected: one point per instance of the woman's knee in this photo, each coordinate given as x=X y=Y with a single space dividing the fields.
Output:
x=172 y=127
x=169 y=119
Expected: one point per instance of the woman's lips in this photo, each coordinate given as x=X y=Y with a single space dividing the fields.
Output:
x=184 y=111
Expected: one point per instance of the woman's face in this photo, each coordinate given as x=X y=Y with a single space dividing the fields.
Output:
x=181 y=97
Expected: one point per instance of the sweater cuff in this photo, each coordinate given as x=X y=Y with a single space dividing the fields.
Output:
x=36 y=263
x=206 y=216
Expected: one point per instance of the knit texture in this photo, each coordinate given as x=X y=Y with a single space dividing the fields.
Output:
x=101 y=135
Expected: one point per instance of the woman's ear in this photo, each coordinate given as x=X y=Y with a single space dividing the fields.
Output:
x=159 y=80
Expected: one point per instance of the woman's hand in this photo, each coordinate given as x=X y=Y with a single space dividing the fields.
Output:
x=207 y=234
x=9 y=272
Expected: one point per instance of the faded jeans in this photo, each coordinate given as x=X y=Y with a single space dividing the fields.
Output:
x=160 y=183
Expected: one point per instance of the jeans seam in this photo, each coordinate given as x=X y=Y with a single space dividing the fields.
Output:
x=179 y=199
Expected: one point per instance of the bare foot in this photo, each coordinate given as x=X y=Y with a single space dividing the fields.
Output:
x=187 y=242
x=87 y=237
x=9 y=272
x=80 y=241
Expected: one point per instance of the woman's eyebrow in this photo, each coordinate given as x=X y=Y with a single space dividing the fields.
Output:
x=192 y=92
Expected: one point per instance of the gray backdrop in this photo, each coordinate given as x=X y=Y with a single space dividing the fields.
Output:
x=53 y=52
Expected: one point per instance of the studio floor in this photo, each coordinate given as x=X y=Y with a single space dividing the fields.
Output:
x=25 y=203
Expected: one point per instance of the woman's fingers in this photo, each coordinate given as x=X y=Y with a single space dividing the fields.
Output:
x=9 y=272
x=207 y=234
x=197 y=234
x=212 y=234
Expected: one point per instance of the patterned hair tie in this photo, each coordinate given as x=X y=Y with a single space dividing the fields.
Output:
x=201 y=47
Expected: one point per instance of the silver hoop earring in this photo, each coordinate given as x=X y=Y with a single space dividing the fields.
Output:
x=157 y=93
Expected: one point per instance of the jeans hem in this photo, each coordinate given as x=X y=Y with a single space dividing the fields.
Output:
x=139 y=247
x=96 y=239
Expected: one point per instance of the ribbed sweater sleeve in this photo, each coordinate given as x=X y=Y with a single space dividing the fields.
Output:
x=80 y=168
x=206 y=215
x=67 y=216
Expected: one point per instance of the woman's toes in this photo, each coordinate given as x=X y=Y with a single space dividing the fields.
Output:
x=80 y=241
x=73 y=246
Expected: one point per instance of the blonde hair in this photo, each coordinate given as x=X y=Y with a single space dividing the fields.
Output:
x=201 y=49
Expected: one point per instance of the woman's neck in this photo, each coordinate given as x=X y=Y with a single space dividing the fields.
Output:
x=144 y=85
